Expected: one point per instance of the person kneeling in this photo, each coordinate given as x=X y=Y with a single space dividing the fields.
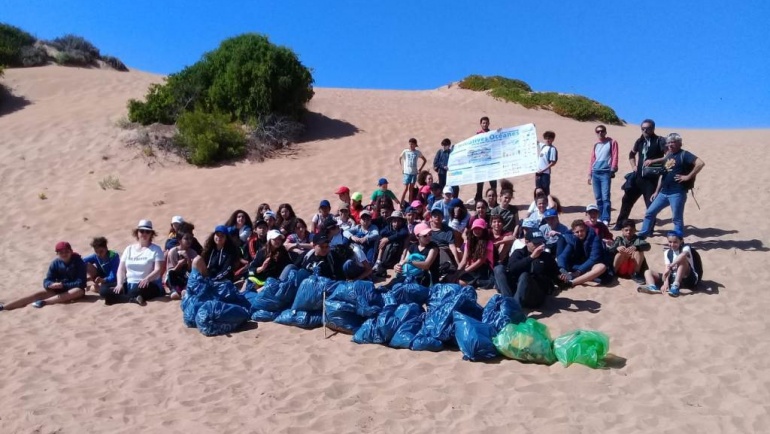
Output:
x=65 y=281
x=580 y=255
x=531 y=271
x=628 y=251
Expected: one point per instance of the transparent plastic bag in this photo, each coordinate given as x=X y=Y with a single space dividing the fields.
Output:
x=586 y=347
x=528 y=342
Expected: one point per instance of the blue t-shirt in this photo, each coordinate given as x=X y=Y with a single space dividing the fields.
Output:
x=680 y=163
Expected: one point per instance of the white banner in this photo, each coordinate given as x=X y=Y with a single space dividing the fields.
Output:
x=502 y=153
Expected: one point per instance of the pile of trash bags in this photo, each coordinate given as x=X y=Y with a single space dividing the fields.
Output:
x=406 y=316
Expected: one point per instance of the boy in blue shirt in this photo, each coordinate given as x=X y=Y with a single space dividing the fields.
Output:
x=102 y=265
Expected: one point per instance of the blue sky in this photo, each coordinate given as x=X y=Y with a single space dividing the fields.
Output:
x=684 y=63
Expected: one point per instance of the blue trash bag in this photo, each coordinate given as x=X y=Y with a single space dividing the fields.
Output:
x=381 y=329
x=423 y=342
x=405 y=334
x=264 y=316
x=360 y=294
x=341 y=316
x=454 y=298
x=217 y=318
x=440 y=290
x=198 y=291
x=300 y=318
x=277 y=297
x=310 y=294
x=225 y=291
x=501 y=311
x=474 y=338
x=407 y=292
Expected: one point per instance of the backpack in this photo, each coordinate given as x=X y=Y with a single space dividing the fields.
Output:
x=688 y=185
x=696 y=260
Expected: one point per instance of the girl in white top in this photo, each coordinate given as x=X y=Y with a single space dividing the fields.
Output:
x=140 y=269
x=680 y=271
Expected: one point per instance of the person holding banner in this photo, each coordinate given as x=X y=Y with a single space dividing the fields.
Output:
x=484 y=122
x=604 y=164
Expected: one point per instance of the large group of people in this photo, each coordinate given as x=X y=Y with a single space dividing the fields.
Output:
x=429 y=235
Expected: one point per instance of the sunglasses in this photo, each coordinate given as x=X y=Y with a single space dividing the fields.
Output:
x=600 y=131
x=144 y=231
x=647 y=128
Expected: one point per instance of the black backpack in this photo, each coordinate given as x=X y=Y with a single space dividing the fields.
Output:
x=696 y=260
x=688 y=185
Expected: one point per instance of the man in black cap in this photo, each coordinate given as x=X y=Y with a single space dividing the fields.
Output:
x=532 y=272
x=320 y=257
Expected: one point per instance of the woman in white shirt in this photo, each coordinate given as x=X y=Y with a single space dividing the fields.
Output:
x=140 y=269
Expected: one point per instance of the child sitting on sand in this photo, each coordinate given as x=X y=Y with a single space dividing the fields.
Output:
x=383 y=191
x=628 y=253
x=65 y=281
x=102 y=266
x=680 y=269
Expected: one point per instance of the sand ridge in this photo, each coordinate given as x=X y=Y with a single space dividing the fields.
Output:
x=697 y=363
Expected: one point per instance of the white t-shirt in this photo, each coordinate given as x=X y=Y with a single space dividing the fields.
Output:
x=140 y=261
x=686 y=248
x=547 y=156
x=410 y=161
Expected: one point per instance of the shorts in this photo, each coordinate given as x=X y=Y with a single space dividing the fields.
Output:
x=626 y=268
x=409 y=179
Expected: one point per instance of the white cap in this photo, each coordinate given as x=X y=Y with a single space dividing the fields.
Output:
x=592 y=207
x=273 y=234
x=448 y=189
x=177 y=219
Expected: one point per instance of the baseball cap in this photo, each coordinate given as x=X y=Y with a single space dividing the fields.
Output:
x=479 y=223
x=421 y=229
x=177 y=219
x=436 y=211
x=396 y=215
x=222 y=229
x=455 y=202
x=268 y=214
x=320 y=239
x=273 y=234
x=343 y=205
x=448 y=190
x=63 y=245
x=324 y=203
x=260 y=222
x=415 y=204
x=382 y=181
x=529 y=224
x=535 y=237
x=550 y=212
x=357 y=196
x=144 y=224
x=365 y=212
x=592 y=207
x=342 y=190
x=409 y=210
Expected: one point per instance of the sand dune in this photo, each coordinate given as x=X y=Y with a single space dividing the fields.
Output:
x=695 y=364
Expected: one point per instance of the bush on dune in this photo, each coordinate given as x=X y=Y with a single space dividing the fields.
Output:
x=76 y=48
x=571 y=106
x=12 y=40
x=209 y=138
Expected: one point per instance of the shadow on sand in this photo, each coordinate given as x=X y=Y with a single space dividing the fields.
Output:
x=10 y=103
x=321 y=127
x=564 y=304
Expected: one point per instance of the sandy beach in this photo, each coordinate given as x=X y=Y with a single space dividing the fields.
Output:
x=699 y=363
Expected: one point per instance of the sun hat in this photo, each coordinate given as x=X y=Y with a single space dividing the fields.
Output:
x=273 y=234
x=479 y=223
x=592 y=207
x=177 y=219
x=144 y=224
x=382 y=182
x=550 y=212
x=448 y=190
x=62 y=245
x=342 y=190
x=421 y=229
x=357 y=196
x=222 y=229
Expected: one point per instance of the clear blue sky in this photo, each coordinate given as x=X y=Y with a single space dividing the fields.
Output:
x=683 y=63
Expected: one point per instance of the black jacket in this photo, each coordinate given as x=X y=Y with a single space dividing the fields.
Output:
x=543 y=266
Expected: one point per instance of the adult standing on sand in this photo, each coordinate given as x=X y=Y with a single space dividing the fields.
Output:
x=604 y=164
x=646 y=169
x=484 y=123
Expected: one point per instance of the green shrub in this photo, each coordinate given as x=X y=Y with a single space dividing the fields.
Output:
x=77 y=47
x=208 y=138
x=12 y=40
x=115 y=63
x=34 y=55
x=246 y=77
x=72 y=58
x=571 y=106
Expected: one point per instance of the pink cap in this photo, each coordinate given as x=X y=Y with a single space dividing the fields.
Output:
x=479 y=223
x=415 y=204
x=421 y=229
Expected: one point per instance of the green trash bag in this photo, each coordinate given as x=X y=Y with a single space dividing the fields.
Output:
x=586 y=347
x=528 y=342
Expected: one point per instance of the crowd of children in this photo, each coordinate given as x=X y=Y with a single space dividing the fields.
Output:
x=429 y=235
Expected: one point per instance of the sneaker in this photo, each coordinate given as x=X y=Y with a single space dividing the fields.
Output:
x=617 y=227
x=674 y=291
x=648 y=289
x=2 y=306
x=638 y=279
x=39 y=303
x=138 y=300
x=606 y=223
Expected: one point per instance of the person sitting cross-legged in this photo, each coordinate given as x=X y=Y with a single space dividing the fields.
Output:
x=531 y=273
x=628 y=253
x=580 y=255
